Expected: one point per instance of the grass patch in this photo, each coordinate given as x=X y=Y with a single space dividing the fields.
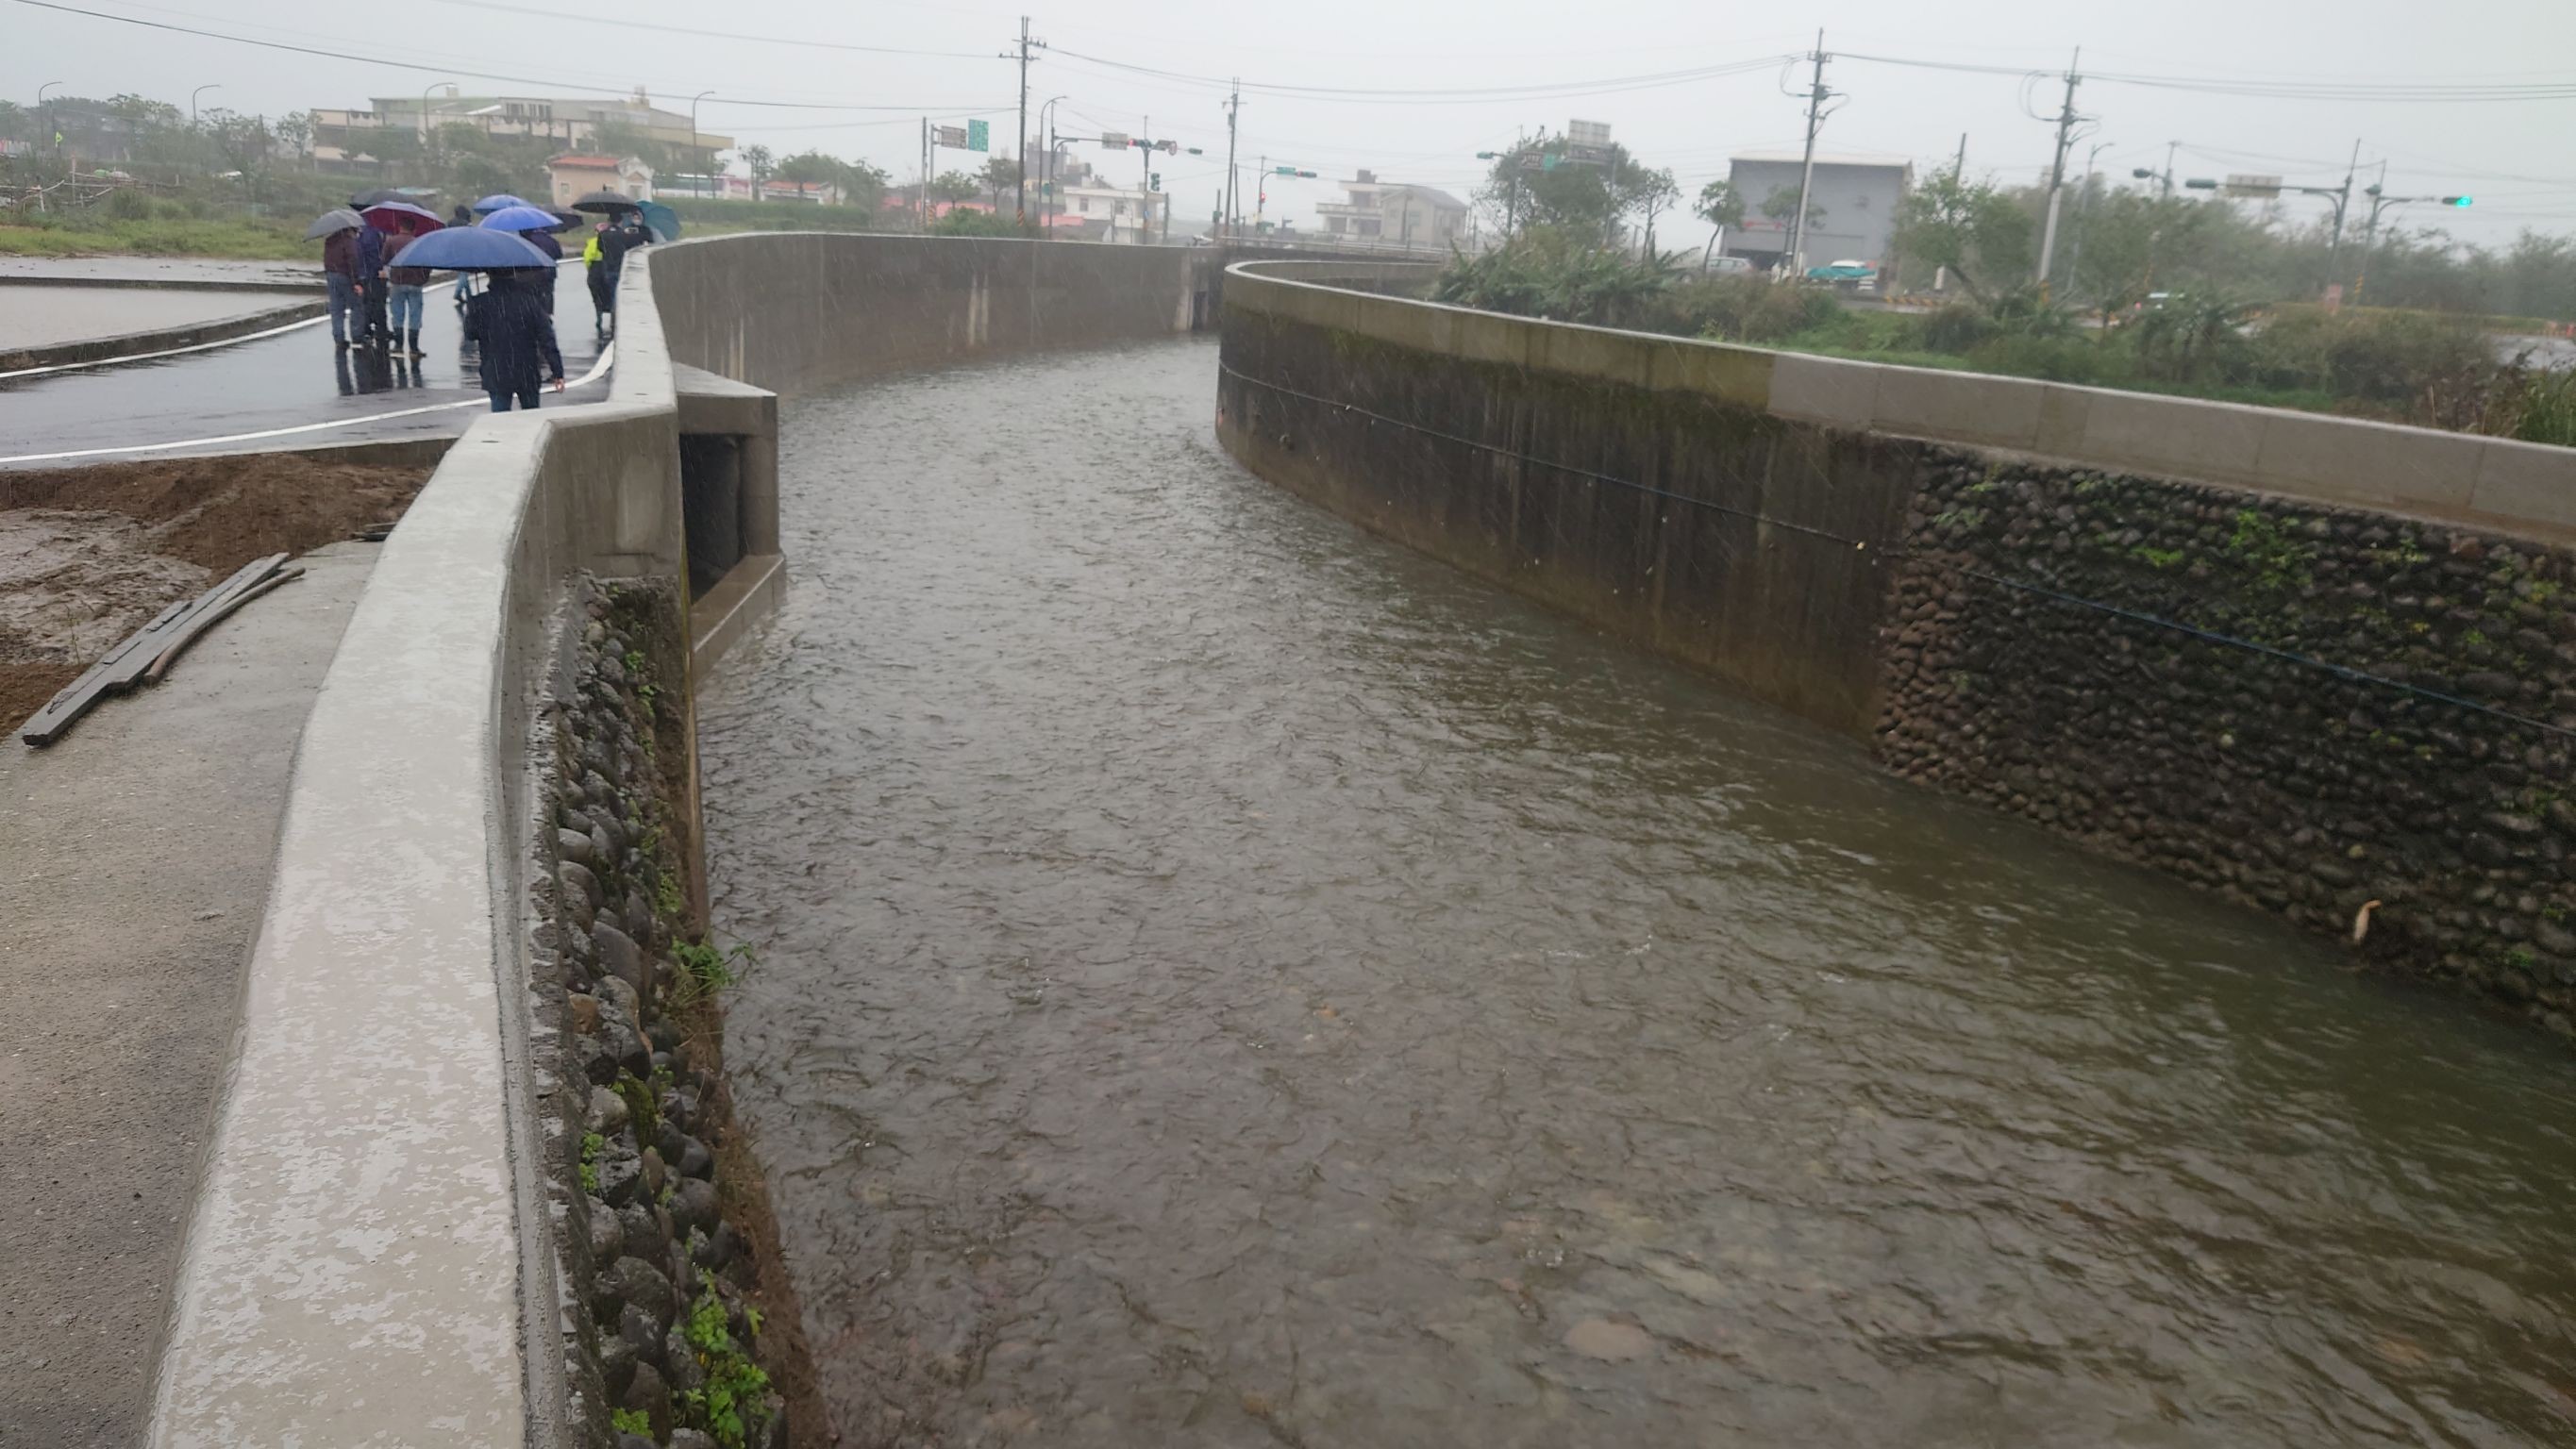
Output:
x=159 y=237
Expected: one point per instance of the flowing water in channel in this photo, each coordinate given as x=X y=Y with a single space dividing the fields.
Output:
x=1225 y=980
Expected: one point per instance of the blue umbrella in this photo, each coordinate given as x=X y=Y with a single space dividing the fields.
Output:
x=522 y=218
x=495 y=203
x=473 y=249
x=660 y=220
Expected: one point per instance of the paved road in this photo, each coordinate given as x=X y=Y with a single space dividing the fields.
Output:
x=45 y=316
x=132 y=877
x=165 y=271
x=290 y=380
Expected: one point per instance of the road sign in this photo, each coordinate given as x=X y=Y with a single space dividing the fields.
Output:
x=1169 y=148
x=1114 y=138
x=952 y=137
x=1588 y=133
x=2243 y=184
x=979 y=136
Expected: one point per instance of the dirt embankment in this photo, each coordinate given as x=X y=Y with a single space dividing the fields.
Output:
x=89 y=555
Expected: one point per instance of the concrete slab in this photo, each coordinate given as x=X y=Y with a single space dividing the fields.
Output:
x=1825 y=390
x=44 y=316
x=1961 y=407
x=133 y=874
x=2347 y=461
x=2527 y=485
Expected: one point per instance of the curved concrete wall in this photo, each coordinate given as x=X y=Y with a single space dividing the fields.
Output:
x=370 y=1259
x=2305 y=662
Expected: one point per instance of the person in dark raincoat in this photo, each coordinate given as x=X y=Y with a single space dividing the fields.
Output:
x=340 y=273
x=614 y=243
x=544 y=241
x=517 y=337
x=371 y=276
x=462 y=216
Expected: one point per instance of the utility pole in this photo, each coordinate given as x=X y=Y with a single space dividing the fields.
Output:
x=1959 y=168
x=1020 y=159
x=2342 y=199
x=921 y=199
x=1816 y=96
x=2066 y=119
x=1233 y=217
x=2170 y=148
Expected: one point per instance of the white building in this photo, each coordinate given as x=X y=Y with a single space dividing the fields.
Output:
x=1851 y=207
x=1122 y=215
x=1395 y=213
x=570 y=177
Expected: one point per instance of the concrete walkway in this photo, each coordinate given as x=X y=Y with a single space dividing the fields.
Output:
x=47 y=316
x=133 y=871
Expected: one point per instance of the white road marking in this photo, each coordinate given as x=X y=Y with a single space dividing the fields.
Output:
x=170 y=352
x=598 y=370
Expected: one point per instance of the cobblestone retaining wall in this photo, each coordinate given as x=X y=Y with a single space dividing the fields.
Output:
x=678 y=1323
x=2374 y=709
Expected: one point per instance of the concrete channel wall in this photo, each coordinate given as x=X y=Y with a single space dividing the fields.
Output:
x=371 y=1259
x=2320 y=666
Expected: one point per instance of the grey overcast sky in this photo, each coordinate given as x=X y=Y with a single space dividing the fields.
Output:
x=1626 y=62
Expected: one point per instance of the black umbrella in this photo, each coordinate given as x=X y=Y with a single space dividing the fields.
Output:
x=570 y=219
x=377 y=197
x=607 y=202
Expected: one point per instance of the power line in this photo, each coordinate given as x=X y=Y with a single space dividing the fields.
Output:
x=437 y=69
x=583 y=18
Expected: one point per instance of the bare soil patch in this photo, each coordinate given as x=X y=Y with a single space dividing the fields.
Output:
x=89 y=555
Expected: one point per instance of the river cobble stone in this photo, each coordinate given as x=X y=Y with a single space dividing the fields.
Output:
x=645 y=1230
x=2303 y=708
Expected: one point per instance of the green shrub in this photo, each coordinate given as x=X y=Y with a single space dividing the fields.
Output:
x=1957 y=327
x=2055 y=359
x=128 y=204
x=1545 y=273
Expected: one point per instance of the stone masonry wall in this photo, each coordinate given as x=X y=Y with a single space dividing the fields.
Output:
x=2393 y=723
x=679 y=1326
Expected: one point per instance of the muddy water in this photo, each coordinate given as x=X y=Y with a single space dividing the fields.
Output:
x=1224 y=980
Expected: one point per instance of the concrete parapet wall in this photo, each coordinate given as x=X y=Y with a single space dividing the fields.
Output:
x=2490 y=482
x=371 y=1258
x=2308 y=663
x=797 y=311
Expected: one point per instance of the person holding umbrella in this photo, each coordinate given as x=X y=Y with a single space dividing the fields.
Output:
x=338 y=230
x=403 y=223
x=516 y=336
x=462 y=216
x=536 y=226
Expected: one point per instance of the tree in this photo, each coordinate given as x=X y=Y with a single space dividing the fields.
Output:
x=861 y=184
x=1721 y=206
x=953 y=186
x=1782 y=204
x=294 y=131
x=758 y=159
x=999 y=175
x=1540 y=183
x=1971 y=228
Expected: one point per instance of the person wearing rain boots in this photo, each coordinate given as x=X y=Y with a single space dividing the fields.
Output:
x=371 y=278
x=340 y=273
x=403 y=294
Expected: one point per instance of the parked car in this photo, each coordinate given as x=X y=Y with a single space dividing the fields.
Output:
x=1729 y=266
x=1850 y=276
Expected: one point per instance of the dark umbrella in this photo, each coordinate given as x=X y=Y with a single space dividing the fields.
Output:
x=402 y=216
x=338 y=218
x=607 y=202
x=496 y=203
x=473 y=249
x=567 y=220
x=521 y=218
x=365 y=199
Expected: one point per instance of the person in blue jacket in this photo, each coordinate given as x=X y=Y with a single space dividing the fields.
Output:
x=516 y=333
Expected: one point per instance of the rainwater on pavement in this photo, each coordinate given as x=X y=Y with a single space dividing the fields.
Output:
x=1221 y=979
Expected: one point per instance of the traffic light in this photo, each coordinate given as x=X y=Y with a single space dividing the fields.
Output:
x=1158 y=181
x=2459 y=201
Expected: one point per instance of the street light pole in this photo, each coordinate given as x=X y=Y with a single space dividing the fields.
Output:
x=192 y=100
x=51 y=129
x=1049 y=207
x=700 y=161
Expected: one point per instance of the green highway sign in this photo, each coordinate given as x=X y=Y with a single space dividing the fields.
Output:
x=979 y=136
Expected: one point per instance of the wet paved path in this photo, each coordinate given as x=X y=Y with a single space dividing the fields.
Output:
x=45 y=316
x=277 y=382
x=134 y=868
x=1224 y=980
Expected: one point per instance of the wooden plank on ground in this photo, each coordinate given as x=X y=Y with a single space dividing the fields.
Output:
x=123 y=666
x=200 y=621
